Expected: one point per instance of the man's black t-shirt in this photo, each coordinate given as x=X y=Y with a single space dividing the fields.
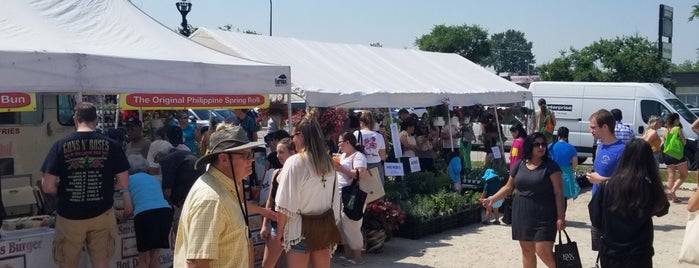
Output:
x=179 y=174
x=85 y=164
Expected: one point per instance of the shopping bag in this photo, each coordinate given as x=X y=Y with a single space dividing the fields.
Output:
x=673 y=144
x=689 y=252
x=570 y=184
x=567 y=254
x=353 y=200
x=372 y=186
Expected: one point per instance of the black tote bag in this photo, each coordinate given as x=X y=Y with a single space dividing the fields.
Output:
x=353 y=200
x=567 y=255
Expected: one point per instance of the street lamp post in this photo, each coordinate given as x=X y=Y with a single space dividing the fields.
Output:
x=184 y=7
x=270 y=17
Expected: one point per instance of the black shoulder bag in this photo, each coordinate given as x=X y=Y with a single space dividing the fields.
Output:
x=353 y=200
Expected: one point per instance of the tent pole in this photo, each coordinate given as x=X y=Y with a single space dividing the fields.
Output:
x=500 y=134
x=451 y=135
x=288 y=107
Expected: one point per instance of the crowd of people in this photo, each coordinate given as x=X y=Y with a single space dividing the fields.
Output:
x=167 y=186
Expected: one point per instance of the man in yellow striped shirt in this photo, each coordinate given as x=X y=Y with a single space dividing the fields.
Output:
x=212 y=229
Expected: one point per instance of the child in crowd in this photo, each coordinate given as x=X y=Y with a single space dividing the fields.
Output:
x=492 y=186
x=454 y=169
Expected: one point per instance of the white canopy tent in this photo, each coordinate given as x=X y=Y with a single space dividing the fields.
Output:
x=346 y=75
x=110 y=46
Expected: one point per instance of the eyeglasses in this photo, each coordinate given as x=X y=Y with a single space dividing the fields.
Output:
x=245 y=155
x=539 y=144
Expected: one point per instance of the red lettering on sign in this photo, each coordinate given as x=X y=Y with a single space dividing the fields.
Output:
x=9 y=131
x=14 y=100
x=186 y=100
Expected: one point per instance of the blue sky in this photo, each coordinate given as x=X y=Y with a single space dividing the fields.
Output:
x=551 y=25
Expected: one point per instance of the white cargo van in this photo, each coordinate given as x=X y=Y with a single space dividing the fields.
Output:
x=574 y=102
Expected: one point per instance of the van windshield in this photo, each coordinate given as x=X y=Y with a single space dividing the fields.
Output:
x=682 y=110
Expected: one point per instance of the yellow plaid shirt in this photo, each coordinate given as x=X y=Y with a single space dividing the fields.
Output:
x=211 y=225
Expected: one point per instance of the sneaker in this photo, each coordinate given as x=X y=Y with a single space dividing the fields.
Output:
x=496 y=222
x=351 y=262
x=485 y=222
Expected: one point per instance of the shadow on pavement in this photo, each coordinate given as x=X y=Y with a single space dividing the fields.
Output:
x=398 y=249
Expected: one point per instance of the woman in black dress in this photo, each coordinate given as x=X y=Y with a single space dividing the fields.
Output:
x=537 y=210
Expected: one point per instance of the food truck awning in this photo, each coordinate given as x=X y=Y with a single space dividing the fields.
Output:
x=110 y=46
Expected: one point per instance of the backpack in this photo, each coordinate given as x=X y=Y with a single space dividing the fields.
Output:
x=548 y=126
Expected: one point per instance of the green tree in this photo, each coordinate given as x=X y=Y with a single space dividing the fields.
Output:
x=695 y=12
x=511 y=52
x=624 y=59
x=377 y=44
x=686 y=66
x=470 y=42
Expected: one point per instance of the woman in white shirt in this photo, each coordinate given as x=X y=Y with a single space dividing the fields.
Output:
x=307 y=188
x=372 y=142
x=352 y=166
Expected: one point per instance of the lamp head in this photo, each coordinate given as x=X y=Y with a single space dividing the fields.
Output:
x=184 y=7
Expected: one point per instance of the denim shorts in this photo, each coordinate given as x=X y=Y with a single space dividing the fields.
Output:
x=301 y=247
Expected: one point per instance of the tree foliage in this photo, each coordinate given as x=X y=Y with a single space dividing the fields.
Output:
x=377 y=44
x=470 y=42
x=686 y=66
x=624 y=59
x=511 y=52
x=695 y=12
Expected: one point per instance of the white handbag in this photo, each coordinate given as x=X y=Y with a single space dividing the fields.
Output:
x=371 y=184
x=689 y=252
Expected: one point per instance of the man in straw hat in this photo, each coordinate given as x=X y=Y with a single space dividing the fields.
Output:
x=214 y=215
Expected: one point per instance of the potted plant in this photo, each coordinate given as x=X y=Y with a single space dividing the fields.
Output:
x=381 y=219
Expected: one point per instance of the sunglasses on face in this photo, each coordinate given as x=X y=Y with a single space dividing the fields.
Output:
x=539 y=144
x=244 y=155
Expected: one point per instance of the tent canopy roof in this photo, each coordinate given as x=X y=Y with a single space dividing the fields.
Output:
x=346 y=75
x=111 y=46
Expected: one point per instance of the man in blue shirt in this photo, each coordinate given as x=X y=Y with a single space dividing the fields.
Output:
x=247 y=122
x=621 y=131
x=608 y=153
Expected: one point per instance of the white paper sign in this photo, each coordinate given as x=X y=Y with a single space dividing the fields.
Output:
x=496 y=152
x=393 y=169
x=395 y=137
x=414 y=164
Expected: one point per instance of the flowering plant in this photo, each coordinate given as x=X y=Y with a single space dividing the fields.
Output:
x=383 y=215
x=331 y=121
x=276 y=107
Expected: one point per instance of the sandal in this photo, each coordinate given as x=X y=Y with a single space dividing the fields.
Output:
x=351 y=262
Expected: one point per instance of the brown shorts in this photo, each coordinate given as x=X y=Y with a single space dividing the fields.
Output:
x=97 y=233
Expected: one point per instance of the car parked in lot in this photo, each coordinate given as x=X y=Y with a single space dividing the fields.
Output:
x=695 y=111
x=203 y=117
